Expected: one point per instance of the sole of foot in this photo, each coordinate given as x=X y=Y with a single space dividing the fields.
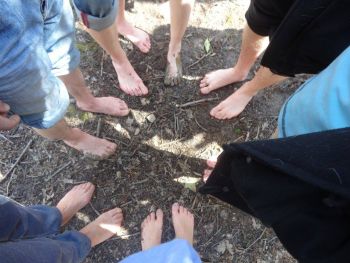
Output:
x=183 y=221
x=220 y=78
x=104 y=227
x=91 y=146
x=136 y=35
x=77 y=198
x=173 y=71
x=106 y=105
x=151 y=230
x=129 y=81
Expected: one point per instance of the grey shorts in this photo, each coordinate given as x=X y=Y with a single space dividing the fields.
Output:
x=97 y=14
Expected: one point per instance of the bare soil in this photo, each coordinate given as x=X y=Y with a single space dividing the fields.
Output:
x=160 y=162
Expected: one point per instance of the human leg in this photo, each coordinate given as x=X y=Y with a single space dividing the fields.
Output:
x=180 y=11
x=18 y=221
x=76 y=86
x=79 y=140
x=251 y=48
x=236 y=103
x=151 y=230
x=183 y=221
x=100 y=22
x=137 y=36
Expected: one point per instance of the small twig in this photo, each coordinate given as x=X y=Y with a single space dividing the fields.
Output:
x=236 y=140
x=5 y=138
x=255 y=241
x=125 y=204
x=98 y=129
x=200 y=126
x=247 y=136
x=58 y=171
x=18 y=159
x=140 y=182
x=95 y=210
x=193 y=103
x=257 y=134
x=102 y=60
x=194 y=201
x=199 y=60
x=8 y=185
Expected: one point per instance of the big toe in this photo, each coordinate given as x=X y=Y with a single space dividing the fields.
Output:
x=175 y=208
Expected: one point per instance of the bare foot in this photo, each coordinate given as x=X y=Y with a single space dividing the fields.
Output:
x=151 y=230
x=233 y=105
x=106 y=105
x=92 y=146
x=74 y=200
x=207 y=172
x=104 y=227
x=136 y=35
x=220 y=78
x=183 y=222
x=129 y=81
x=173 y=71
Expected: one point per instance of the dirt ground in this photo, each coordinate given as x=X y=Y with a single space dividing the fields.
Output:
x=158 y=162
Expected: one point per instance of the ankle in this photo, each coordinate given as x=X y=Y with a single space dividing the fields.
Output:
x=249 y=89
x=75 y=135
x=174 y=49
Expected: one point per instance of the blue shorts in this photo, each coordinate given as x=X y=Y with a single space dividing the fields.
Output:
x=322 y=103
x=37 y=45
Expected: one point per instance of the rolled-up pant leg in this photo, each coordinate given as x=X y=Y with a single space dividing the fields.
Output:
x=97 y=14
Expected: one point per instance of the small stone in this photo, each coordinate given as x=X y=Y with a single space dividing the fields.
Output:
x=221 y=248
x=209 y=229
x=145 y=101
x=151 y=118
x=137 y=131
x=129 y=121
x=189 y=114
x=118 y=127
x=119 y=174
x=224 y=214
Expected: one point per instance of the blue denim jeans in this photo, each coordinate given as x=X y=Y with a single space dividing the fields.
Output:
x=37 y=45
x=31 y=234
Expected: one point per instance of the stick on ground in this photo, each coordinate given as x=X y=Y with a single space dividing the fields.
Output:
x=18 y=160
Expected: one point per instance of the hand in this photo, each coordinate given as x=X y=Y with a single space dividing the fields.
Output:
x=7 y=123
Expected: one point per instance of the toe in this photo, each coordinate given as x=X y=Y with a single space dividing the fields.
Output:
x=181 y=209
x=159 y=214
x=153 y=216
x=204 y=90
x=175 y=208
x=203 y=84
